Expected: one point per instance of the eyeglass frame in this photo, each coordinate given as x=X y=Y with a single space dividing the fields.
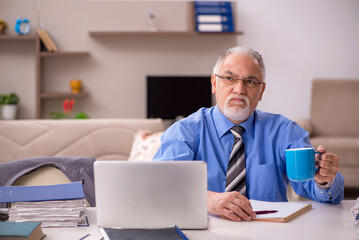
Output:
x=245 y=81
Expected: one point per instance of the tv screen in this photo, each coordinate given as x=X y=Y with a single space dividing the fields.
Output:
x=169 y=97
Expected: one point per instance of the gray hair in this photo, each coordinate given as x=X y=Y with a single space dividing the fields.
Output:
x=240 y=50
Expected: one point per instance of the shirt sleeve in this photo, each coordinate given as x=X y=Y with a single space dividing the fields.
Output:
x=310 y=189
x=177 y=143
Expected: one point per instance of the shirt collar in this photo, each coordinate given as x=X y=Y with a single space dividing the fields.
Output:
x=223 y=124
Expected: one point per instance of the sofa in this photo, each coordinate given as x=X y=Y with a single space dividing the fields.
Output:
x=102 y=139
x=333 y=122
x=44 y=148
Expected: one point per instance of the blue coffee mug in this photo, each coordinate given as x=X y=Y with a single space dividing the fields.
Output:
x=300 y=164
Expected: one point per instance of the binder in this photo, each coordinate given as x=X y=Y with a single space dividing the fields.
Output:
x=214 y=18
x=214 y=27
x=65 y=191
x=212 y=4
x=172 y=232
x=213 y=10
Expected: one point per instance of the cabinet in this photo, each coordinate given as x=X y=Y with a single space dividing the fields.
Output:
x=40 y=94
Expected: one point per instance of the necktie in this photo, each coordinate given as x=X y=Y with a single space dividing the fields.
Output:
x=236 y=171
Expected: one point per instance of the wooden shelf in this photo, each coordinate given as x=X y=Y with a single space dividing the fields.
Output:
x=63 y=54
x=57 y=95
x=18 y=37
x=158 y=34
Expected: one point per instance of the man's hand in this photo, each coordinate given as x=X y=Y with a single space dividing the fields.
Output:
x=329 y=166
x=231 y=205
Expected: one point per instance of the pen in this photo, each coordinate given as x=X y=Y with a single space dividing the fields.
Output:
x=84 y=236
x=265 y=212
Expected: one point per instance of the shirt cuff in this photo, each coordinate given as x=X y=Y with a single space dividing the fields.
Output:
x=326 y=194
x=327 y=185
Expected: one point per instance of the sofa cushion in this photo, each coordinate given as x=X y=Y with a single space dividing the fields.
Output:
x=109 y=139
x=347 y=148
x=334 y=107
x=145 y=145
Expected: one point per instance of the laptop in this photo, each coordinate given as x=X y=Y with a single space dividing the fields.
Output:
x=151 y=194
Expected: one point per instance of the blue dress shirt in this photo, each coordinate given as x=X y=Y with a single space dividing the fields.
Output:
x=205 y=135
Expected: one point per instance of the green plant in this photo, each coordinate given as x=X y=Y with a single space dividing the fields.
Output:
x=67 y=105
x=11 y=98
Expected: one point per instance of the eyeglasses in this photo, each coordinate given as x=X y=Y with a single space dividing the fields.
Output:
x=250 y=82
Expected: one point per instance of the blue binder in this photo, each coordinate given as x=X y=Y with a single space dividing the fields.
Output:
x=65 y=191
x=214 y=18
x=212 y=4
x=213 y=10
x=214 y=27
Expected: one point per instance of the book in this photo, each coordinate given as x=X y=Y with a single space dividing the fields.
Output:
x=21 y=231
x=66 y=191
x=173 y=233
x=47 y=40
x=286 y=211
x=44 y=40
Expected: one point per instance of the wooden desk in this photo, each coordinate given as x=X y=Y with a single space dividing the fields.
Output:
x=323 y=221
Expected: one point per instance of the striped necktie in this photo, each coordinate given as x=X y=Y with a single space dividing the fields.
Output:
x=236 y=171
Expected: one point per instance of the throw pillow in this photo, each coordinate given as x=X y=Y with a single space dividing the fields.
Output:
x=144 y=146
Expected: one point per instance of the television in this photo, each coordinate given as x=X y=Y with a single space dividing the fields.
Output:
x=169 y=97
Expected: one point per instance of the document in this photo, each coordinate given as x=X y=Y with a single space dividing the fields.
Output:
x=285 y=211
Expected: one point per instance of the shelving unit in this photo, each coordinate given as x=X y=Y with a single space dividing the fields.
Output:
x=41 y=95
x=41 y=56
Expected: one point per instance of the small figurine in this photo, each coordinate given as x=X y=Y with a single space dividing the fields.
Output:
x=2 y=26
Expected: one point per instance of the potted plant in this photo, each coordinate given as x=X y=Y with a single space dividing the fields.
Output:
x=9 y=103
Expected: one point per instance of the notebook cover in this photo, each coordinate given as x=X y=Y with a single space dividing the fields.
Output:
x=20 y=229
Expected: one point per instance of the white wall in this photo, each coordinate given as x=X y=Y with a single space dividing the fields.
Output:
x=299 y=40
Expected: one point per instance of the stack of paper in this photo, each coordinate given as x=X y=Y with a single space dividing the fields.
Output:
x=68 y=213
x=61 y=205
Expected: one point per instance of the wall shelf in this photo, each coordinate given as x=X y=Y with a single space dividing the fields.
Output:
x=158 y=34
x=18 y=37
x=57 y=95
x=62 y=54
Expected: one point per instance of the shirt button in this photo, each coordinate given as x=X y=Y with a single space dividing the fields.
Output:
x=321 y=192
x=330 y=193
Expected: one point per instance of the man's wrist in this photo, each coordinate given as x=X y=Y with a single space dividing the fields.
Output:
x=325 y=185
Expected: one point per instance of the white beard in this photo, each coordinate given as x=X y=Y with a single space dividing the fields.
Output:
x=236 y=113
